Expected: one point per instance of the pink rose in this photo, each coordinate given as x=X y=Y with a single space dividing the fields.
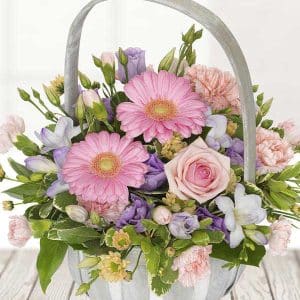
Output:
x=9 y=130
x=108 y=58
x=198 y=172
x=281 y=231
x=273 y=153
x=19 y=231
x=162 y=215
x=192 y=265
x=291 y=132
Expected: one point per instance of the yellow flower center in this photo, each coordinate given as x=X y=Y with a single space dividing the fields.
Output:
x=161 y=110
x=106 y=165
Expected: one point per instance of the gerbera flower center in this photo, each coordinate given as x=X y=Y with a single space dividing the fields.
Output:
x=161 y=110
x=106 y=165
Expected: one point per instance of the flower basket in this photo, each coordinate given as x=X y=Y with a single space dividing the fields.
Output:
x=154 y=183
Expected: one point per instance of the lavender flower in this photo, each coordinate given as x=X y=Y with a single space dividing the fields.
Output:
x=218 y=223
x=59 y=185
x=60 y=137
x=136 y=64
x=236 y=152
x=135 y=213
x=107 y=104
x=183 y=224
x=156 y=176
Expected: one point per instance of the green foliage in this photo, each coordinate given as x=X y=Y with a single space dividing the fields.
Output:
x=152 y=255
x=29 y=192
x=158 y=286
x=49 y=259
x=182 y=244
x=46 y=209
x=64 y=199
x=39 y=227
x=85 y=81
x=78 y=235
x=200 y=238
x=290 y=172
x=19 y=169
x=24 y=144
x=109 y=237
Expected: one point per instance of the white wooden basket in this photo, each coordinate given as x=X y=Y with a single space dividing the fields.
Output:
x=221 y=280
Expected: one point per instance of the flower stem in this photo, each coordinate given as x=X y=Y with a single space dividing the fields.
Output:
x=137 y=262
x=11 y=179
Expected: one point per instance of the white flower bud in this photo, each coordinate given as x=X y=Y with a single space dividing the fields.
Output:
x=161 y=215
x=77 y=213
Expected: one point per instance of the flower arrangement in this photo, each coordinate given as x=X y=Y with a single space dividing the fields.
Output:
x=151 y=160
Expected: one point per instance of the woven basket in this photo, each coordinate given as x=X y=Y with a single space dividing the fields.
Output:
x=221 y=280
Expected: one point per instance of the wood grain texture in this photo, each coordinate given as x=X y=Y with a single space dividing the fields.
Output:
x=5 y=257
x=60 y=287
x=253 y=284
x=19 y=277
x=283 y=274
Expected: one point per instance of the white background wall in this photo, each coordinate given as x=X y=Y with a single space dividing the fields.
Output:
x=33 y=36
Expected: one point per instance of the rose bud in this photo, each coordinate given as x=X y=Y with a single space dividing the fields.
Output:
x=90 y=97
x=161 y=215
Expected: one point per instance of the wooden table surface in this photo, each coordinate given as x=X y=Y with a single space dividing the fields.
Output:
x=277 y=279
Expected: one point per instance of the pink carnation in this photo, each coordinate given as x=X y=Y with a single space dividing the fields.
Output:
x=19 y=231
x=273 y=153
x=100 y=169
x=219 y=89
x=192 y=265
x=161 y=104
x=291 y=132
x=198 y=172
x=281 y=231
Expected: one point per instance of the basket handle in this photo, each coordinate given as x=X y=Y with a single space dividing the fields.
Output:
x=222 y=34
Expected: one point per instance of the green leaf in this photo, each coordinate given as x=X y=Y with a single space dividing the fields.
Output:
x=204 y=223
x=200 y=237
x=255 y=88
x=51 y=256
x=278 y=200
x=168 y=275
x=78 y=235
x=252 y=188
x=267 y=124
x=266 y=107
x=149 y=224
x=181 y=244
x=152 y=256
x=215 y=236
x=99 y=111
x=224 y=252
x=64 y=199
x=25 y=145
x=109 y=237
x=161 y=236
x=290 y=172
x=277 y=186
x=39 y=227
x=27 y=189
x=19 y=169
x=135 y=237
x=45 y=209
x=159 y=287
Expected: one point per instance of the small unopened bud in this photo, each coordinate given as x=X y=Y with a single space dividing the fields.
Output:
x=80 y=108
x=170 y=251
x=167 y=61
x=88 y=262
x=272 y=218
x=89 y=97
x=84 y=80
x=123 y=57
x=95 y=218
x=108 y=58
x=24 y=95
x=296 y=209
x=256 y=236
x=162 y=215
x=2 y=173
x=176 y=207
x=83 y=289
x=52 y=96
x=7 y=205
x=188 y=38
x=77 y=213
x=128 y=276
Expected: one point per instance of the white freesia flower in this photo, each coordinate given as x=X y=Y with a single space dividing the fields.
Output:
x=245 y=210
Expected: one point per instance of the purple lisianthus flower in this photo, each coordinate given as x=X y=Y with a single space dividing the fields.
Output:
x=183 y=224
x=136 y=63
x=156 y=176
x=217 y=136
x=218 y=223
x=60 y=137
x=135 y=213
x=59 y=185
x=40 y=164
x=107 y=104
x=236 y=152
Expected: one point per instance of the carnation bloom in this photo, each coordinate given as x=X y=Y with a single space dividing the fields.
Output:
x=101 y=168
x=291 y=132
x=192 y=265
x=161 y=104
x=273 y=153
x=281 y=231
x=218 y=89
x=19 y=231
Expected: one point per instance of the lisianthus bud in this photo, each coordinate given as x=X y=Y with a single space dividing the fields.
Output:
x=24 y=95
x=170 y=251
x=296 y=209
x=108 y=58
x=257 y=237
x=7 y=205
x=90 y=97
x=52 y=95
x=79 y=108
x=161 y=215
x=231 y=128
x=167 y=61
x=2 y=173
x=77 y=213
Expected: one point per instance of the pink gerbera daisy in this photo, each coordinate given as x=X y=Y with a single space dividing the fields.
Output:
x=100 y=169
x=161 y=104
